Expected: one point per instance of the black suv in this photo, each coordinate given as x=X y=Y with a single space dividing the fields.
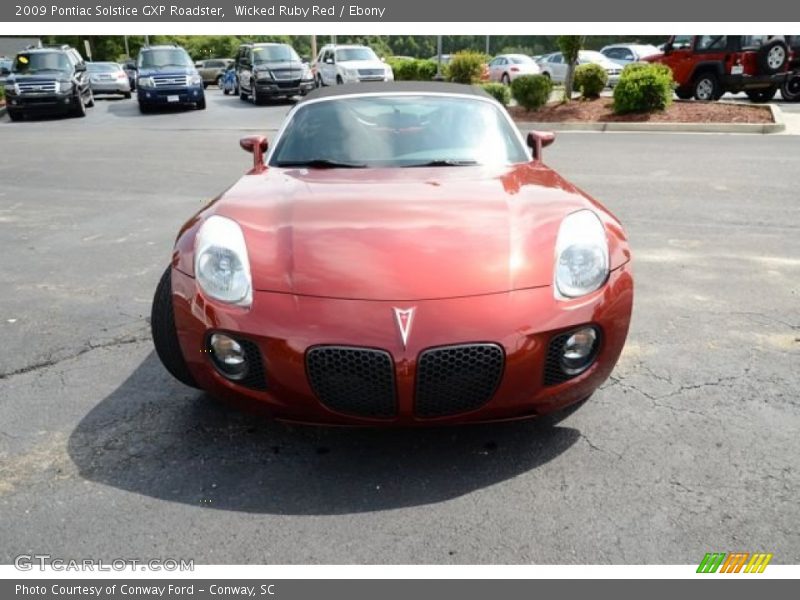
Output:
x=271 y=70
x=51 y=79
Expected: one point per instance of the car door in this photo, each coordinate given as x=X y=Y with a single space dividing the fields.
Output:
x=245 y=69
x=679 y=58
x=496 y=68
x=328 y=67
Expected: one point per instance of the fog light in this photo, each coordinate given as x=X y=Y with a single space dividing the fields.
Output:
x=579 y=350
x=228 y=355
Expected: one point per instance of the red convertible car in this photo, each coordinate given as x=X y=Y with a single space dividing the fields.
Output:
x=399 y=256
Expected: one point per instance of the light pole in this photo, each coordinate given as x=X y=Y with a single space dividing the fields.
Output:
x=438 y=76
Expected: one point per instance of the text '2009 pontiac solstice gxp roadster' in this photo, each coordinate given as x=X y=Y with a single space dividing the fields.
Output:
x=398 y=256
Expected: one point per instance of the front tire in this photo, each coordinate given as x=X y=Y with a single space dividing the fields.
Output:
x=201 y=105
x=505 y=79
x=127 y=95
x=90 y=103
x=165 y=336
x=80 y=110
x=16 y=115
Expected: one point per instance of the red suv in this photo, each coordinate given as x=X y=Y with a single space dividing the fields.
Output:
x=707 y=66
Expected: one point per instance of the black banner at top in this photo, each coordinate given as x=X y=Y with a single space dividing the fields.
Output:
x=393 y=11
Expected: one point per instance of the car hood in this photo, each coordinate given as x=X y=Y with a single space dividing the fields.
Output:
x=363 y=64
x=280 y=64
x=401 y=234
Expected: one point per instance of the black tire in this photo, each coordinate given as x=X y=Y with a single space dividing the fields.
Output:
x=90 y=103
x=684 y=93
x=546 y=74
x=772 y=57
x=339 y=80
x=790 y=90
x=218 y=82
x=505 y=79
x=226 y=91
x=165 y=337
x=706 y=87
x=16 y=115
x=319 y=81
x=205 y=85
x=201 y=105
x=143 y=108
x=127 y=95
x=242 y=95
x=761 y=95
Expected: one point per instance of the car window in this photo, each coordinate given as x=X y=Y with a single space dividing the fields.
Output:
x=264 y=54
x=399 y=131
x=35 y=62
x=102 y=67
x=625 y=54
x=555 y=58
x=164 y=57
x=711 y=42
x=348 y=54
x=682 y=41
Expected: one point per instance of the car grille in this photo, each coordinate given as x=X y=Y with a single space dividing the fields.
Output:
x=455 y=379
x=37 y=87
x=371 y=73
x=553 y=373
x=357 y=381
x=255 y=377
x=289 y=84
x=284 y=74
x=170 y=81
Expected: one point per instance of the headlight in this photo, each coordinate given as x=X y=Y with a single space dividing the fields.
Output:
x=350 y=72
x=64 y=87
x=264 y=74
x=145 y=82
x=306 y=72
x=581 y=255
x=195 y=79
x=221 y=265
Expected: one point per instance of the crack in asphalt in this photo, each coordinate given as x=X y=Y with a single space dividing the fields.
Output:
x=87 y=347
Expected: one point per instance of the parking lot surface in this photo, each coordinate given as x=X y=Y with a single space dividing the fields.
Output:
x=690 y=447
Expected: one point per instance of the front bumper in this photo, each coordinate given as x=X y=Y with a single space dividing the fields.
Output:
x=170 y=96
x=111 y=87
x=522 y=323
x=284 y=88
x=45 y=103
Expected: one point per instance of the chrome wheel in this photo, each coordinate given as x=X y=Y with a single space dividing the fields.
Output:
x=704 y=90
x=776 y=57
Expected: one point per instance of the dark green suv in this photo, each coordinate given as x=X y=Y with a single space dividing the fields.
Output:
x=51 y=79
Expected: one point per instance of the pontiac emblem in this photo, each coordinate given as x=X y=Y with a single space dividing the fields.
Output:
x=404 y=318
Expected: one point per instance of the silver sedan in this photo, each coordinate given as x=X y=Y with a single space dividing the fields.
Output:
x=507 y=67
x=108 y=78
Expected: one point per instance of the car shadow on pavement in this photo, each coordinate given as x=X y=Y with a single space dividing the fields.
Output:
x=155 y=437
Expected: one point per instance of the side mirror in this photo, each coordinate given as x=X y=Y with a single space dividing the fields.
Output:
x=257 y=144
x=328 y=61
x=668 y=48
x=538 y=140
x=80 y=67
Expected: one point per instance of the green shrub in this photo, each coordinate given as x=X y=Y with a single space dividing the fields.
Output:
x=426 y=69
x=2 y=94
x=590 y=79
x=531 y=91
x=466 y=67
x=404 y=69
x=643 y=88
x=499 y=92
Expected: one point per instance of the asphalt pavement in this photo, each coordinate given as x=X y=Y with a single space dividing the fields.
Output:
x=690 y=447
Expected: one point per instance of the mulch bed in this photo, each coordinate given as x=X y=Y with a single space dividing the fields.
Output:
x=601 y=111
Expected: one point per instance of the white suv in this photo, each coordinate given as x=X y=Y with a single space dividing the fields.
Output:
x=350 y=64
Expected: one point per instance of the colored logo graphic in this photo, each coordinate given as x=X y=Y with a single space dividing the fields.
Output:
x=734 y=562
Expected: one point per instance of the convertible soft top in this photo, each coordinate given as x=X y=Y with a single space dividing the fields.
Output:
x=394 y=87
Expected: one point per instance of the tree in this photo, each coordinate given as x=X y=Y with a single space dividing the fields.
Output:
x=570 y=48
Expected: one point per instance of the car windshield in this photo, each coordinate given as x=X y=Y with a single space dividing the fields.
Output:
x=521 y=60
x=103 y=67
x=592 y=56
x=263 y=54
x=398 y=131
x=166 y=57
x=347 y=54
x=36 y=62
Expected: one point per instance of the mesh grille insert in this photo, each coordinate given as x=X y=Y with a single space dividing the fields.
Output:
x=256 y=376
x=456 y=379
x=357 y=381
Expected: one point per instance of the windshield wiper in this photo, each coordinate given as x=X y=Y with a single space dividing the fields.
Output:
x=445 y=162
x=320 y=163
